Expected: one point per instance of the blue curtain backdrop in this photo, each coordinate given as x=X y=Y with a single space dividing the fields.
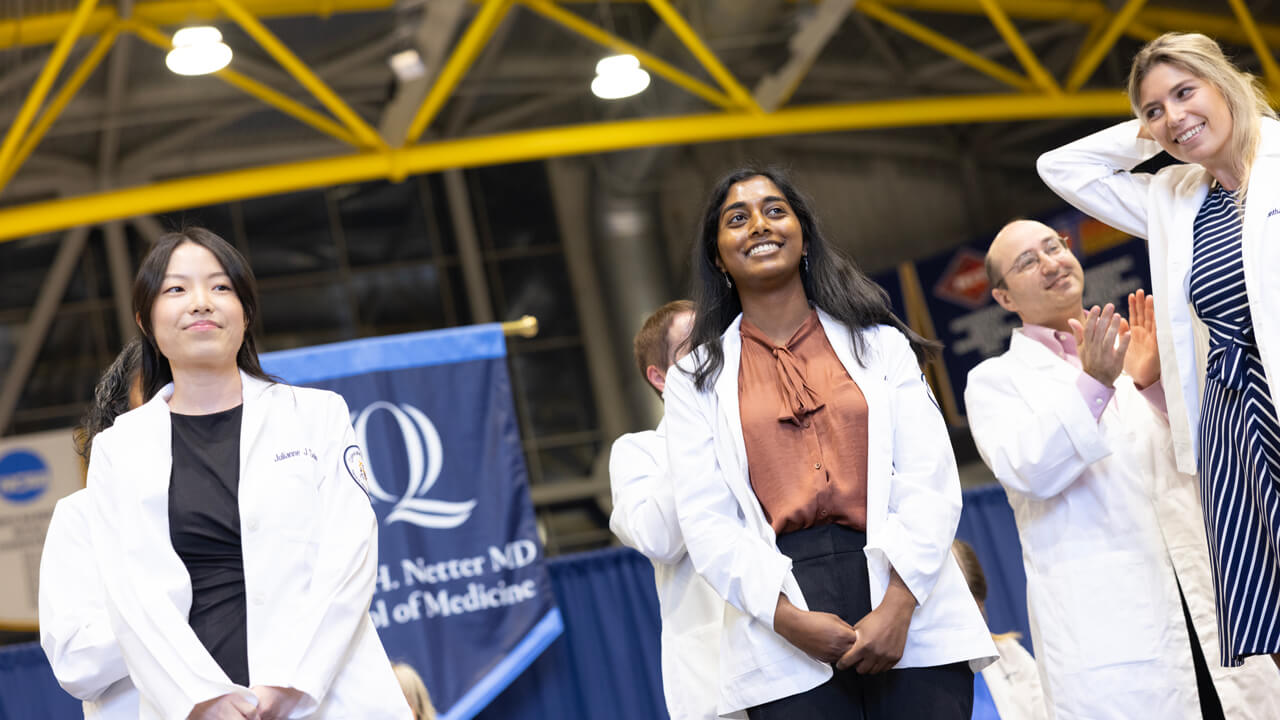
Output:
x=606 y=663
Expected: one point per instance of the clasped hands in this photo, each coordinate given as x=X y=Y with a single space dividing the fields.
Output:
x=871 y=645
x=1108 y=344
x=274 y=703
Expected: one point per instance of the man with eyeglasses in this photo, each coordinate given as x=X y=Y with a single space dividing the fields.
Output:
x=1072 y=422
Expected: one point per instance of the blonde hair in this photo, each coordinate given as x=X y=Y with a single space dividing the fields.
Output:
x=1200 y=56
x=415 y=692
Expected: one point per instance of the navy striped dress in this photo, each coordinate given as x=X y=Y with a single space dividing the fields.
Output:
x=1239 y=442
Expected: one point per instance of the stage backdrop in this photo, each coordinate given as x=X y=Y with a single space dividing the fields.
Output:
x=462 y=593
x=606 y=664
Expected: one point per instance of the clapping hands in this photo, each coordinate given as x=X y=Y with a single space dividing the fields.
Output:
x=1108 y=344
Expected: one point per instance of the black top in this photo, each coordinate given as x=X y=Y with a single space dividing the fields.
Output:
x=204 y=526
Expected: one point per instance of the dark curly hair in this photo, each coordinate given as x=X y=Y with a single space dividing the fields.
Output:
x=832 y=283
x=110 y=397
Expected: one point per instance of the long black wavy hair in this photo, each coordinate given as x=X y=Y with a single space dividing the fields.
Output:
x=110 y=397
x=832 y=282
x=156 y=372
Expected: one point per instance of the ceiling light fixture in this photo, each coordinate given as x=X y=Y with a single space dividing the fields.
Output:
x=198 y=51
x=407 y=65
x=619 y=76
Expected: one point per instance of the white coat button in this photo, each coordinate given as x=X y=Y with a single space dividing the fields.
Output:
x=1097 y=401
x=258 y=599
x=253 y=525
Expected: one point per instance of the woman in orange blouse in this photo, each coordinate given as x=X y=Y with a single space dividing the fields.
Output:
x=816 y=487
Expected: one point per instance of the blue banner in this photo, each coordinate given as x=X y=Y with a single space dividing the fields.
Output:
x=462 y=592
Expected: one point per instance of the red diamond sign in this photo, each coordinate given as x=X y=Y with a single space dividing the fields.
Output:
x=965 y=280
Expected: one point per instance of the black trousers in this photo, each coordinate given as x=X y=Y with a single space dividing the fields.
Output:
x=831 y=568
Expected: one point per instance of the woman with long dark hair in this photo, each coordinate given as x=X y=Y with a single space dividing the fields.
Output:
x=235 y=542
x=815 y=483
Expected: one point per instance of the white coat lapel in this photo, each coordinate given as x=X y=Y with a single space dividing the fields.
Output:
x=1193 y=188
x=253 y=393
x=1261 y=244
x=874 y=387
x=1044 y=364
x=730 y=417
x=151 y=469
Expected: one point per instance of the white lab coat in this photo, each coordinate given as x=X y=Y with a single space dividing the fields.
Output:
x=309 y=540
x=1109 y=529
x=913 y=507
x=644 y=518
x=1014 y=682
x=75 y=631
x=1093 y=174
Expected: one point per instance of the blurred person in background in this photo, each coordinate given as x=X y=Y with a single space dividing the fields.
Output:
x=1009 y=688
x=75 y=630
x=415 y=692
x=644 y=518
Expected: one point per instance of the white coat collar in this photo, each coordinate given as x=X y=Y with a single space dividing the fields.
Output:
x=149 y=423
x=1032 y=351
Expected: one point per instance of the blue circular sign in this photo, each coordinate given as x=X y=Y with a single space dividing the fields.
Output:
x=23 y=476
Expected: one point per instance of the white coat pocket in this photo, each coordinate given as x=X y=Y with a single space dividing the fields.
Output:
x=1112 y=610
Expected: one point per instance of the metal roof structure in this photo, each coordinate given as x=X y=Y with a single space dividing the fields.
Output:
x=370 y=204
x=507 y=83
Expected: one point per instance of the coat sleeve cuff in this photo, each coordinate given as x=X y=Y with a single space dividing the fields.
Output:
x=764 y=587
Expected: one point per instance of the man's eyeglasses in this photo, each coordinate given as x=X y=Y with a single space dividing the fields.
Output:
x=1053 y=247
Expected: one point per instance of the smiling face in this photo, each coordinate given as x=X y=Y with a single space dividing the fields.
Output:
x=759 y=240
x=1042 y=279
x=197 y=318
x=1187 y=115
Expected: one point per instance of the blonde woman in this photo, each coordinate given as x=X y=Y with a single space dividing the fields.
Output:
x=415 y=692
x=1213 y=231
x=1013 y=681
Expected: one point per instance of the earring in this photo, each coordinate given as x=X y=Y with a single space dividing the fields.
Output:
x=728 y=281
x=804 y=262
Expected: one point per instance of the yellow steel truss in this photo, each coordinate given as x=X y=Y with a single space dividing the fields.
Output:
x=1037 y=94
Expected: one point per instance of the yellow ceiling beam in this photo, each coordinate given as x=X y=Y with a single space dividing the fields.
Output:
x=944 y=45
x=43 y=29
x=300 y=72
x=460 y=60
x=274 y=98
x=59 y=103
x=48 y=74
x=1250 y=27
x=677 y=24
x=1039 y=75
x=526 y=145
x=1223 y=26
x=574 y=23
x=1081 y=71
